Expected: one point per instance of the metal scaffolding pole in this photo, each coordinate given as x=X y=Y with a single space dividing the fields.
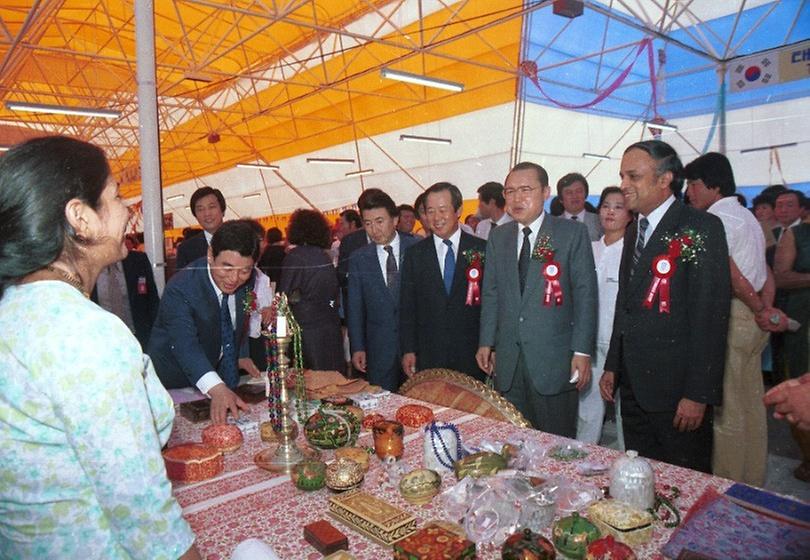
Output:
x=152 y=201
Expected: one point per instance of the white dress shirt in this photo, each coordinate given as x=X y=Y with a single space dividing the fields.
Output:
x=535 y=227
x=580 y=217
x=382 y=256
x=607 y=259
x=655 y=218
x=746 y=242
x=441 y=248
x=485 y=226
x=212 y=378
x=264 y=297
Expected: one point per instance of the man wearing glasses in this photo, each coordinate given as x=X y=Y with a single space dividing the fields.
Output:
x=538 y=314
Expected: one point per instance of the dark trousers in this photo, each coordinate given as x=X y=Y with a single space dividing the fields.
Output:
x=654 y=436
x=555 y=414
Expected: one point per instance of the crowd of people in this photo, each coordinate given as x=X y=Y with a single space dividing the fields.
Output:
x=659 y=303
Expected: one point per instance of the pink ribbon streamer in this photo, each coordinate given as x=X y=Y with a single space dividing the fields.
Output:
x=529 y=69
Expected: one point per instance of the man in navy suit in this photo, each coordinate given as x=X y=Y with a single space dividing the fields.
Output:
x=200 y=336
x=127 y=289
x=374 y=284
x=439 y=329
x=208 y=206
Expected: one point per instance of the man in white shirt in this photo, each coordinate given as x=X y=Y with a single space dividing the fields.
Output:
x=572 y=190
x=740 y=426
x=491 y=208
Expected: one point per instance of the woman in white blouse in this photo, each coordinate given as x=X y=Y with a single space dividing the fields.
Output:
x=607 y=253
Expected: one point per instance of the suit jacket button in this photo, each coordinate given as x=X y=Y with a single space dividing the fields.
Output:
x=522 y=319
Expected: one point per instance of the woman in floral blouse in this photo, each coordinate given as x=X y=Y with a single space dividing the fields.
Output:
x=82 y=414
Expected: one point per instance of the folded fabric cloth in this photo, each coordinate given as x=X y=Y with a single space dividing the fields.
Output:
x=719 y=528
x=322 y=384
x=254 y=549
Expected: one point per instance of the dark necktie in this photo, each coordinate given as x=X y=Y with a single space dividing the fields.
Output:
x=643 y=224
x=391 y=270
x=777 y=232
x=227 y=367
x=523 y=260
x=449 y=266
x=574 y=218
x=493 y=226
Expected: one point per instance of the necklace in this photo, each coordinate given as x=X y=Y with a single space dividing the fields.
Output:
x=435 y=434
x=69 y=278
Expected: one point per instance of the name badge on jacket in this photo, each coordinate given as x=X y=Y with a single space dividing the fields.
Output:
x=142 y=285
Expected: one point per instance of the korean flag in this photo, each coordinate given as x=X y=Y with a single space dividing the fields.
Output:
x=753 y=72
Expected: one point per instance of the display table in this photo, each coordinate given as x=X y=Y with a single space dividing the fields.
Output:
x=248 y=502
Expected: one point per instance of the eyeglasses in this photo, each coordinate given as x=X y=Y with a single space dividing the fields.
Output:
x=522 y=191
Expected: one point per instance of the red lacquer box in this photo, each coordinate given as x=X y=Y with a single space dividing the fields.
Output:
x=325 y=537
x=225 y=437
x=414 y=415
x=192 y=462
x=434 y=542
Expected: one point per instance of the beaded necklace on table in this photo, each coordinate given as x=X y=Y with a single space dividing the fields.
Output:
x=434 y=432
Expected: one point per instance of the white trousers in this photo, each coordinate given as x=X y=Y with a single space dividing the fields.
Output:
x=591 y=405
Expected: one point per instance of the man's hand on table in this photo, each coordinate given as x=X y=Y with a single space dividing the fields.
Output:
x=248 y=365
x=223 y=400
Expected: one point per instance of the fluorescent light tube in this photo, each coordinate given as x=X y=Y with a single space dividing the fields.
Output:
x=175 y=197
x=334 y=161
x=257 y=166
x=62 y=110
x=421 y=80
x=252 y=195
x=359 y=172
x=427 y=139
x=595 y=156
x=661 y=126
x=763 y=148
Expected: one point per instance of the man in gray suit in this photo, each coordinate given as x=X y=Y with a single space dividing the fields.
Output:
x=538 y=313
x=573 y=190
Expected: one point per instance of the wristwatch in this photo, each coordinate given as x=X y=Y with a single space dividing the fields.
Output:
x=774 y=319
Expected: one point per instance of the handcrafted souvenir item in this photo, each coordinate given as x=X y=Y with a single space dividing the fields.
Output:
x=573 y=534
x=414 y=415
x=309 y=475
x=442 y=446
x=388 y=439
x=225 y=437
x=479 y=464
x=330 y=428
x=626 y=523
x=266 y=458
x=608 y=548
x=337 y=400
x=266 y=432
x=325 y=537
x=343 y=474
x=632 y=480
x=340 y=555
x=537 y=512
x=251 y=393
x=434 y=542
x=196 y=411
x=493 y=514
x=356 y=454
x=373 y=517
x=192 y=462
x=371 y=419
x=567 y=452
x=526 y=545
x=418 y=487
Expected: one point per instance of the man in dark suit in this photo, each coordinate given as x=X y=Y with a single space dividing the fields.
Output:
x=208 y=206
x=200 y=337
x=539 y=306
x=667 y=351
x=127 y=289
x=573 y=192
x=353 y=237
x=372 y=315
x=438 y=328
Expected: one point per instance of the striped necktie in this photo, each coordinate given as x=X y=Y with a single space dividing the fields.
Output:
x=643 y=224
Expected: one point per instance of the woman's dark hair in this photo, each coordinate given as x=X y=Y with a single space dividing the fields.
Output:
x=236 y=235
x=309 y=227
x=37 y=180
x=605 y=193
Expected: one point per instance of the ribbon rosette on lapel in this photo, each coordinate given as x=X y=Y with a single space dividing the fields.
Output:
x=544 y=252
x=684 y=247
x=250 y=303
x=475 y=268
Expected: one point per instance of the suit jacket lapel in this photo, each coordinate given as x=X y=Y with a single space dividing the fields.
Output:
x=535 y=279
x=510 y=248
x=655 y=245
x=460 y=275
x=377 y=274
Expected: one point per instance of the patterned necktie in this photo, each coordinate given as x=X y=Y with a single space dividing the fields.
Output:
x=523 y=260
x=391 y=270
x=449 y=266
x=643 y=224
x=227 y=367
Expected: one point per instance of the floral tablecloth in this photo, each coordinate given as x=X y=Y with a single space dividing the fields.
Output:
x=248 y=502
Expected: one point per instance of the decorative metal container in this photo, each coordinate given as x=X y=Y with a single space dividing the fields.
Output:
x=330 y=428
x=309 y=475
x=526 y=545
x=388 y=439
x=343 y=474
x=356 y=454
x=419 y=486
x=632 y=481
x=573 y=534
x=607 y=548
